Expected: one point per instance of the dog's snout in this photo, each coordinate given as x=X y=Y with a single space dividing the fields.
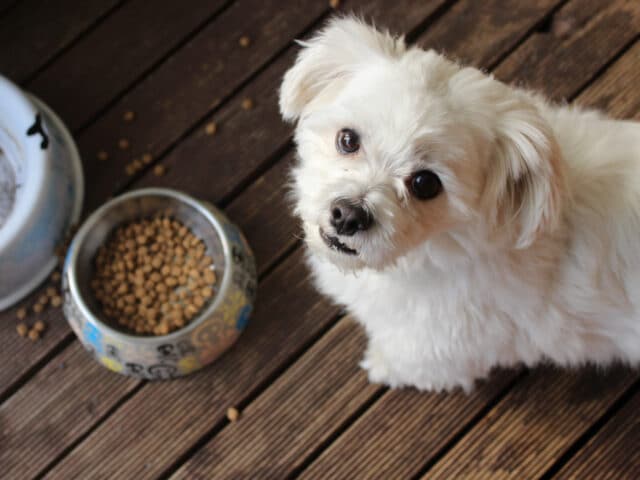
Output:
x=348 y=218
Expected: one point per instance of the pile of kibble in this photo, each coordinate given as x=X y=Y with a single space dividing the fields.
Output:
x=153 y=276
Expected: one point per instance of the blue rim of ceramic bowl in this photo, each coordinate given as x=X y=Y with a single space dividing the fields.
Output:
x=70 y=270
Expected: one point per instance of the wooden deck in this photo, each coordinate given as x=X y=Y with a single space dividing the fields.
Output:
x=307 y=410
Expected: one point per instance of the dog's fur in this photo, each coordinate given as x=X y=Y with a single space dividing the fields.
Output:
x=530 y=253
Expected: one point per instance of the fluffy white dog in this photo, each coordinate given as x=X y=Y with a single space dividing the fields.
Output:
x=465 y=223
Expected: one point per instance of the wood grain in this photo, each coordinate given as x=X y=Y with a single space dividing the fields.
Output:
x=404 y=429
x=616 y=91
x=583 y=37
x=164 y=419
x=62 y=401
x=534 y=424
x=276 y=432
x=612 y=454
x=29 y=36
x=186 y=87
x=480 y=33
x=115 y=53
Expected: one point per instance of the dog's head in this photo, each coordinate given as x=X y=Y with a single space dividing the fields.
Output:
x=398 y=147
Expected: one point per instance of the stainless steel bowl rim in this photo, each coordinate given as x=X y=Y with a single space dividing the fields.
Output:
x=94 y=218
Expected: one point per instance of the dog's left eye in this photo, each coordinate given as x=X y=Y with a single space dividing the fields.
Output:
x=425 y=184
x=347 y=141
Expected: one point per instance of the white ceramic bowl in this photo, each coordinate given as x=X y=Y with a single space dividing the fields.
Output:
x=44 y=160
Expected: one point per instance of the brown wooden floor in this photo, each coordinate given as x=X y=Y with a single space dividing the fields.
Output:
x=307 y=410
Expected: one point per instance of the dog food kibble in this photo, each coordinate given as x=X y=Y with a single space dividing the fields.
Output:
x=34 y=335
x=102 y=155
x=22 y=329
x=21 y=313
x=159 y=170
x=37 y=308
x=129 y=169
x=334 y=3
x=233 y=414
x=210 y=128
x=244 y=41
x=129 y=116
x=56 y=301
x=153 y=276
x=39 y=326
x=247 y=104
x=146 y=158
x=123 y=143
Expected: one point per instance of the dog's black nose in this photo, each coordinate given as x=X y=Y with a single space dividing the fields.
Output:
x=348 y=218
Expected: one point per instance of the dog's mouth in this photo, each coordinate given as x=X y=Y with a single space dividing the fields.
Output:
x=334 y=244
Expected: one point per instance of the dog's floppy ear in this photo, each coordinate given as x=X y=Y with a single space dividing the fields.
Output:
x=332 y=55
x=525 y=184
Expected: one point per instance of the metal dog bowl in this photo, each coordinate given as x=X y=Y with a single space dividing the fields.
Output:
x=208 y=335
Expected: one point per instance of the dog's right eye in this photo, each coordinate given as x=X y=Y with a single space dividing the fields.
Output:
x=347 y=141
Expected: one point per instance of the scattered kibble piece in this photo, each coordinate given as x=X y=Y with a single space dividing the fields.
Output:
x=141 y=280
x=51 y=292
x=22 y=329
x=102 y=155
x=334 y=3
x=123 y=143
x=244 y=41
x=247 y=104
x=129 y=116
x=43 y=299
x=34 y=334
x=21 y=313
x=146 y=158
x=137 y=164
x=233 y=414
x=159 y=170
x=129 y=169
x=39 y=326
x=56 y=301
x=210 y=128
x=37 y=308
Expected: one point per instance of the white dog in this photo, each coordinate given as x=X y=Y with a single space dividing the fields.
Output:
x=465 y=223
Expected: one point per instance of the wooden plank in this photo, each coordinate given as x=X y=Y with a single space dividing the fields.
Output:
x=167 y=85
x=66 y=397
x=164 y=419
x=612 y=454
x=480 y=33
x=276 y=432
x=534 y=424
x=29 y=36
x=616 y=91
x=402 y=430
x=577 y=47
x=186 y=87
x=114 y=54
x=301 y=409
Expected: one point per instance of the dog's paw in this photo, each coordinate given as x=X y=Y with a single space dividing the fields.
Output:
x=378 y=368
